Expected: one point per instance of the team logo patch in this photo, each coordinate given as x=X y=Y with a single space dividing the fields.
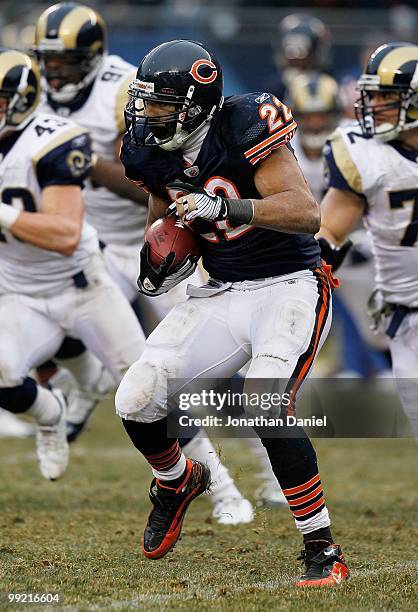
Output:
x=193 y=171
x=77 y=162
x=201 y=68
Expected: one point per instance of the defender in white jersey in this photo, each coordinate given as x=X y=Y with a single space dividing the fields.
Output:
x=316 y=103
x=86 y=84
x=373 y=172
x=53 y=279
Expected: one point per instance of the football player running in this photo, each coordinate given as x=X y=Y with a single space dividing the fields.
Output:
x=53 y=280
x=267 y=301
x=373 y=173
x=85 y=83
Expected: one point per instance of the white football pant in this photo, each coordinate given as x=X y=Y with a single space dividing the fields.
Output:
x=33 y=328
x=279 y=323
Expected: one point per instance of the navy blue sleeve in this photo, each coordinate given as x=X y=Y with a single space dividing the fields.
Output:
x=67 y=164
x=147 y=167
x=259 y=123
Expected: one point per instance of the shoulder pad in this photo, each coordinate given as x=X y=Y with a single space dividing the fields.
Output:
x=338 y=156
x=257 y=123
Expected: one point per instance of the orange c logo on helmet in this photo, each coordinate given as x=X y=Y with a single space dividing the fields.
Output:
x=194 y=71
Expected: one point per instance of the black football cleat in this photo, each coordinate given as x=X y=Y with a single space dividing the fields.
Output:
x=325 y=565
x=170 y=506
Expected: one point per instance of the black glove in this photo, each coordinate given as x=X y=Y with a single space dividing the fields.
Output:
x=333 y=255
x=156 y=281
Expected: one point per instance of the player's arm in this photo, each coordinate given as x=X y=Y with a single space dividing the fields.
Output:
x=111 y=174
x=57 y=226
x=156 y=209
x=344 y=203
x=287 y=204
x=341 y=212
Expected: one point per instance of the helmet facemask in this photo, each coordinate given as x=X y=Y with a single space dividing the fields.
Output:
x=368 y=113
x=169 y=130
x=21 y=103
x=76 y=71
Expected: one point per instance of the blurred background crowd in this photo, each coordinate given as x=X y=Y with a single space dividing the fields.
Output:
x=263 y=45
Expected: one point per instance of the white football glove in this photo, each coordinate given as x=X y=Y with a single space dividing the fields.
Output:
x=198 y=203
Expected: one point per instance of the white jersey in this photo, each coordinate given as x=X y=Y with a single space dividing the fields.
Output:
x=116 y=219
x=313 y=169
x=388 y=180
x=48 y=151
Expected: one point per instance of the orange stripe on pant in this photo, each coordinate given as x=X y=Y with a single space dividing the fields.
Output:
x=318 y=328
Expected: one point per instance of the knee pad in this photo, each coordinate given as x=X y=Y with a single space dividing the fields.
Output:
x=20 y=398
x=142 y=394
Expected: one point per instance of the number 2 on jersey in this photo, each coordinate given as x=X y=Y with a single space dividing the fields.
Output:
x=273 y=113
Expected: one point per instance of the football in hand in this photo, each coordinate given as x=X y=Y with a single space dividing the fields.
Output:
x=168 y=235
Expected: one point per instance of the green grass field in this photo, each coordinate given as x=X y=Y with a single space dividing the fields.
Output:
x=80 y=536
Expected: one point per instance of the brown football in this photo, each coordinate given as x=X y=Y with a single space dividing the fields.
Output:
x=168 y=235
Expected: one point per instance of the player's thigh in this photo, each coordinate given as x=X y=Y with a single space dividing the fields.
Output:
x=122 y=264
x=104 y=320
x=191 y=348
x=27 y=338
x=404 y=352
x=156 y=308
x=292 y=323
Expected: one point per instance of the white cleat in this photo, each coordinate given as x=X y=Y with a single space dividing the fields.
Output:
x=13 y=427
x=80 y=402
x=52 y=445
x=233 y=511
x=270 y=494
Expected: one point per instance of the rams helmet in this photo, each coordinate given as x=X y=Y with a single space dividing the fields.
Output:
x=20 y=85
x=315 y=102
x=70 y=41
x=180 y=73
x=392 y=68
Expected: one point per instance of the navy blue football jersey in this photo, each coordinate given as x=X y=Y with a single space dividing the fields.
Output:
x=245 y=131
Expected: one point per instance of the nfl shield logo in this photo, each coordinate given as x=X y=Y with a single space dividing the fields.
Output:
x=193 y=171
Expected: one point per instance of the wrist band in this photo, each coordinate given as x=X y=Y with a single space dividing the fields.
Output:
x=240 y=211
x=8 y=215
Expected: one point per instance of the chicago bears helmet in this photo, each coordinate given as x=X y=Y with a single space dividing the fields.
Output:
x=391 y=69
x=70 y=41
x=304 y=42
x=20 y=86
x=184 y=81
x=315 y=102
